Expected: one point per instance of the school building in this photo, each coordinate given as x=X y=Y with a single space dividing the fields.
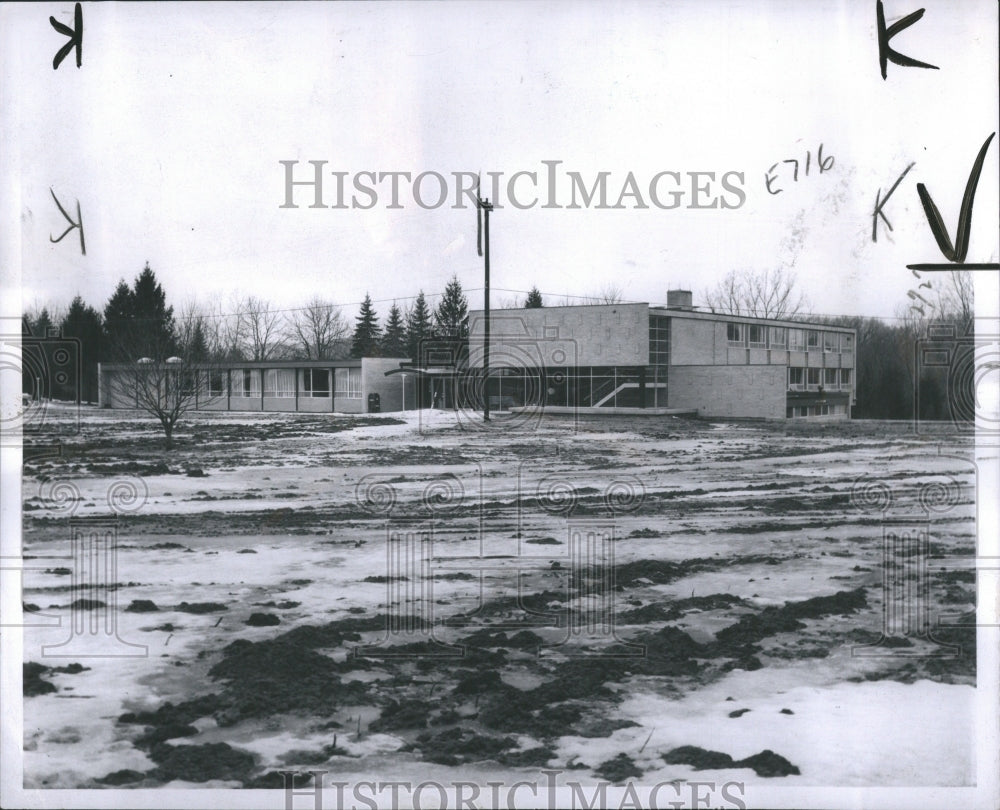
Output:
x=605 y=358
x=673 y=358
x=300 y=386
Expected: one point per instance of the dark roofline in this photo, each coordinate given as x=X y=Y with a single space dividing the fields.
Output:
x=353 y=362
x=730 y=318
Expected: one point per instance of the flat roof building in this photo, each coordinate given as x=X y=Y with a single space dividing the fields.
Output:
x=357 y=385
x=670 y=358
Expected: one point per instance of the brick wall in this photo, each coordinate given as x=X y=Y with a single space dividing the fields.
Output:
x=729 y=391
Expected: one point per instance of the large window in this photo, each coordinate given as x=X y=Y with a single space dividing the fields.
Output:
x=830 y=377
x=347 y=383
x=812 y=377
x=245 y=382
x=316 y=382
x=659 y=340
x=845 y=378
x=758 y=336
x=812 y=339
x=830 y=341
x=279 y=382
x=779 y=338
x=216 y=384
x=796 y=340
x=735 y=334
x=847 y=343
x=796 y=378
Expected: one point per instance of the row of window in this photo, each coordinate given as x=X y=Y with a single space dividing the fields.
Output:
x=280 y=382
x=815 y=410
x=830 y=378
x=757 y=336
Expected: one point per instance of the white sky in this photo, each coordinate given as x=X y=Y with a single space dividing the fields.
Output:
x=171 y=132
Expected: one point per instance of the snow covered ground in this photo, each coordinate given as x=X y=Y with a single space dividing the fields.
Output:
x=754 y=563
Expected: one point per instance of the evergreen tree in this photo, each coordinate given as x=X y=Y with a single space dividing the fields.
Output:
x=42 y=324
x=84 y=323
x=418 y=327
x=118 y=321
x=451 y=315
x=394 y=339
x=154 y=319
x=367 y=332
x=196 y=350
x=534 y=299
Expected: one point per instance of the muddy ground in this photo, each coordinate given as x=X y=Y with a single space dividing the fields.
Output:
x=651 y=598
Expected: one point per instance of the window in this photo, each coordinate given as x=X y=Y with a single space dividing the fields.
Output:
x=779 y=337
x=734 y=333
x=796 y=340
x=847 y=343
x=659 y=340
x=830 y=377
x=316 y=382
x=830 y=341
x=796 y=378
x=245 y=382
x=813 y=376
x=812 y=339
x=758 y=336
x=216 y=384
x=279 y=382
x=347 y=383
x=845 y=378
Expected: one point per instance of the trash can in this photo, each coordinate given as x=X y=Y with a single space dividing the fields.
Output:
x=374 y=403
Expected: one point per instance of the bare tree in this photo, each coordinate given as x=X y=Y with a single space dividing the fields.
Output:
x=165 y=387
x=955 y=299
x=226 y=330
x=610 y=293
x=319 y=331
x=765 y=294
x=261 y=332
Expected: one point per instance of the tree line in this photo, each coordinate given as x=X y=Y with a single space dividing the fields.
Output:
x=891 y=381
x=136 y=322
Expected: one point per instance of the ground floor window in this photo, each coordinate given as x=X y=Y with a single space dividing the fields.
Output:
x=279 y=382
x=216 y=384
x=245 y=382
x=347 y=383
x=580 y=387
x=316 y=382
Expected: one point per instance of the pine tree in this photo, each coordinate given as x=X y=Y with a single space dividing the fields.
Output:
x=119 y=316
x=367 y=332
x=418 y=327
x=534 y=299
x=394 y=339
x=451 y=315
x=42 y=325
x=197 y=347
x=154 y=320
x=84 y=323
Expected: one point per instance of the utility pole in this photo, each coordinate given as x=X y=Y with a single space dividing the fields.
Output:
x=486 y=206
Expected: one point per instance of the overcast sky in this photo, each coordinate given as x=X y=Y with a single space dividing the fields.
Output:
x=171 y=133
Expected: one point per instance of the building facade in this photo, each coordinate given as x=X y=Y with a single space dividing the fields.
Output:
x=315 y=386
x=671 y=358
